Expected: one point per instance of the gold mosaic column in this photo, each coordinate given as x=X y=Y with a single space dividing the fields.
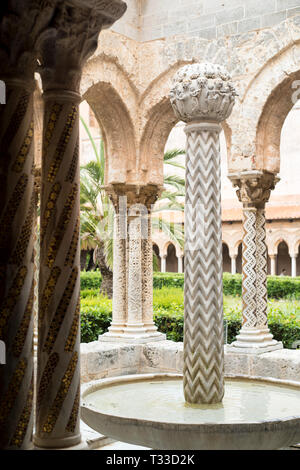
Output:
x=17 y=210
x=58 y=376
x=63 y=52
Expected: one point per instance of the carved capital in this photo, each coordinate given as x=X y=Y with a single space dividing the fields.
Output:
x=21 y=24
x=134 y=195
x=72 y=37
x=254 y=187
x=202 y=92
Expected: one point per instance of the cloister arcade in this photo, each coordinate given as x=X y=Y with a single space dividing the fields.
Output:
x=127 y=85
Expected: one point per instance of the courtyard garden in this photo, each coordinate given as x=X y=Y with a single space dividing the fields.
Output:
x=168 y=307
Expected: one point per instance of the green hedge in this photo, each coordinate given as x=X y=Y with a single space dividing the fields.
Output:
x=278 y=287
x=96 y=318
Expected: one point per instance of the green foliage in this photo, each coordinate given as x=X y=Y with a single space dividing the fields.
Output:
x=90 y=280
x=168 y=307
x=96 y=316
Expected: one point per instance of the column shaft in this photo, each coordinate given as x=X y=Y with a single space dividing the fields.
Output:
x=135 y=297
x=294 y=266
x=203 y=336
x=273 y=265
x=233 y=265
x=58 y=377
x=119 y=280
x=17 y=206
x=180 y=264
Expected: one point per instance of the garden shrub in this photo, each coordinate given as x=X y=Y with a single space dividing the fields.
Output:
x=278 y=287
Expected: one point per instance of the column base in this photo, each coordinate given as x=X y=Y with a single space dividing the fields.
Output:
x=132 y=337
x=254 y=341
x=71 y=443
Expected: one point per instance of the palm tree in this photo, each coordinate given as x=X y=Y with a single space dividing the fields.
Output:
x=97 y=212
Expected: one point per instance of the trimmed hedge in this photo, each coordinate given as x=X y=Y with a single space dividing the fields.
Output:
x=278 y=287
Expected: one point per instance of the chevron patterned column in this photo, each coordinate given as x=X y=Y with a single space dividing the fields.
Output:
x=63 y=54
x=254 y=191
x=204 y=335
x=203 y=96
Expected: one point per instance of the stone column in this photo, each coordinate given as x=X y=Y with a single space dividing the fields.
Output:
x=133 y=265
x=180 y=264
x=63 y=52
x=203 y=97
x=294 y=265
x=20 y=25
x=254 y=191
x=164 y=264
x=273 y=259
x=233 y=264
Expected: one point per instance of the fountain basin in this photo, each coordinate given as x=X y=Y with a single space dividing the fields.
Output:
x=149 y=410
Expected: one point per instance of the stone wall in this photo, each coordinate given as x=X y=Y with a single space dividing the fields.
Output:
x=147 y=20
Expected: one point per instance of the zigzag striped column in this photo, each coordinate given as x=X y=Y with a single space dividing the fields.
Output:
x=203 y=96
x=58 y=375
x=17 y=211
x=203 y=331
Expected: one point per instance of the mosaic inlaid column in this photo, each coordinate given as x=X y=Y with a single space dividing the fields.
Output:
x=119 y=315
x=20 y=24
x=133 y=265
x=203 y=96
x=147 y=277
x=254 y=191
x=63 y=53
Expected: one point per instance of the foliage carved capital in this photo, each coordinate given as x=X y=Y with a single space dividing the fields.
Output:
x=254 y=187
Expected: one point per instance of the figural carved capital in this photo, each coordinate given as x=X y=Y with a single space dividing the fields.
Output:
x=202 y=92
x=72 y=37
x=254 y=187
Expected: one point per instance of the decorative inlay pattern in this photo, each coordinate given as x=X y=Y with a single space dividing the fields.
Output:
x=249 y=269
x=261 y=270
x=204 y=336
x=73 y=334
x=21 y=157
x=18 y=437
x=74 y=165
x=50 y=127
x=12 y=207
x=71 y=426
x=60 y=312
x=49 y=290
x=50 y=208
x=9 y=397
x=61 y=395
x=47 y=377
x=74 y=245
x=21 y=335
x=17 y=117
x=26 y=232
x=63 y=142
x=12 y=298
x=62 y=226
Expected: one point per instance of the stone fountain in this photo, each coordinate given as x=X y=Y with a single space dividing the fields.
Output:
x=207 y=412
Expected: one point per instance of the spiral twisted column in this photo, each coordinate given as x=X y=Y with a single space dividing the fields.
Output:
x=21 y=23
x=254 y=191
x=62 y=56
x=203 y=96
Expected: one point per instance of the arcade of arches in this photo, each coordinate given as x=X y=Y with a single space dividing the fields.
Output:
x=126 y=77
